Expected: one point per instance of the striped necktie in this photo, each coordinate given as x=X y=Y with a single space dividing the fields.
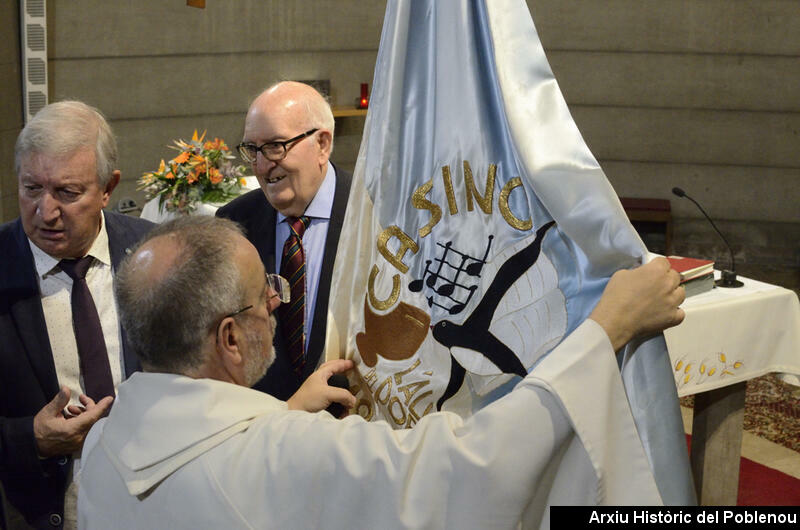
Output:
x=292 y=315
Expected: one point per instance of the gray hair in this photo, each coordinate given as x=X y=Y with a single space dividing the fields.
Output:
x=65 y=127
x=168 y=320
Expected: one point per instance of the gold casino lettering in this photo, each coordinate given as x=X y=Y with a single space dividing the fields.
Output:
x=419 y=201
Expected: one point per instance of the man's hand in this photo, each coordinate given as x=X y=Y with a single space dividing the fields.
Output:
x=640 y=302
x=316 y=394
x=58 y=435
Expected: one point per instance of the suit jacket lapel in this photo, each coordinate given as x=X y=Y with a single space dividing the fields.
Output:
x=263 y=237
x=120 y=241
x=318 y=330
x=21 y=287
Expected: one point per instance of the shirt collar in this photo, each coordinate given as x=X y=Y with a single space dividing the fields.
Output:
x=322 y=203
x=45 y=263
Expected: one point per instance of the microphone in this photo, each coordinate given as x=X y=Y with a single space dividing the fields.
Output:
x=728 y=278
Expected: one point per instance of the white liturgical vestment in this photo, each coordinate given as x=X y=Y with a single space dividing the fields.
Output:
x=177 y=452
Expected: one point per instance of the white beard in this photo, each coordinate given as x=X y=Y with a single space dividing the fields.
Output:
x=258 y=359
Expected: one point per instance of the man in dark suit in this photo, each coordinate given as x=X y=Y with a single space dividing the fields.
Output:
x=64 y=160
x=288 y=139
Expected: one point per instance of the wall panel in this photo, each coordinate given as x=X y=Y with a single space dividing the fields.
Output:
x=756 y=139
x=768 y=194
x=765 y=27
x=674 y=80
x=10 y=106
x=168 y=27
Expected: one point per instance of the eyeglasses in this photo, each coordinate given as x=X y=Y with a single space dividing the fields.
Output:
x=280 y=288
x=272 y=151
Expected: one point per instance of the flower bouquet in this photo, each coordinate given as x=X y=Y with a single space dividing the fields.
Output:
x=202 y=172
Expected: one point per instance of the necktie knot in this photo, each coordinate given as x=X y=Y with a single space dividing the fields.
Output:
x=76 y=268
x=299 y=224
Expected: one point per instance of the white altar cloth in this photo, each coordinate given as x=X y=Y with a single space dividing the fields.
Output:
x=732 y=335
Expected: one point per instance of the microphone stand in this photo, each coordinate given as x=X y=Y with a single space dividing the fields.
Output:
x=728 y=278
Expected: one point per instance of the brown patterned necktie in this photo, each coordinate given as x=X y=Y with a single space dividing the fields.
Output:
x=95 y=368
x=292 y=315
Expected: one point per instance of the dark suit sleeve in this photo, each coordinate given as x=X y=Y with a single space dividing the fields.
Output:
x=34 y=486
x=18 y=447
x=28 y=380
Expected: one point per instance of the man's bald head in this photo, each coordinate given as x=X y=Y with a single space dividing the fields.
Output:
x=154 y=259
x=285 y=111
x=176 y=286
x=294 y=97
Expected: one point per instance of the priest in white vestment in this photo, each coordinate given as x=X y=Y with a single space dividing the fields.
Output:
x=188 y=445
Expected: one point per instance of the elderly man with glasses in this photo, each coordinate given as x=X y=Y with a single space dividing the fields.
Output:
x=188 y=445
x=295 y=219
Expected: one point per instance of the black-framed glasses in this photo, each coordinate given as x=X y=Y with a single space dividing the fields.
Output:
x=272 y=151
x=280 y=289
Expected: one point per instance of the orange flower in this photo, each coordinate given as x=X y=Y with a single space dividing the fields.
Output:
x=243 y=181
x=196 y=139
x=198 y=164
x=169 y=175
x=213 y=145
x=161 y=166
x=214 y=175
x=192 y=177
x=181 y=158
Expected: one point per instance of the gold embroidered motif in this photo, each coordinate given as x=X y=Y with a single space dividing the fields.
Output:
x=398 y=377
x=398 y=420
x=413 y=414
x=448 y=189
x=401 y=402
x=484 y=202
x=419 y=202
x=382 y=305
x=364 y=409
x=412 y=388
x=386 y=384
x=502 y=202
x=406 y=243
x=370 y=378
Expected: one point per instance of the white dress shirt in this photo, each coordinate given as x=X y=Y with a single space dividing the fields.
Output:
x=319 y=211
x=56 y=289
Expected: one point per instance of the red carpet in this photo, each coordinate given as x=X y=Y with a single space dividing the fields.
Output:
x=763 y=486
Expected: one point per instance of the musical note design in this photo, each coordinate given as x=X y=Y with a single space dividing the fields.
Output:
x=447 y=276
x=474 y=332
